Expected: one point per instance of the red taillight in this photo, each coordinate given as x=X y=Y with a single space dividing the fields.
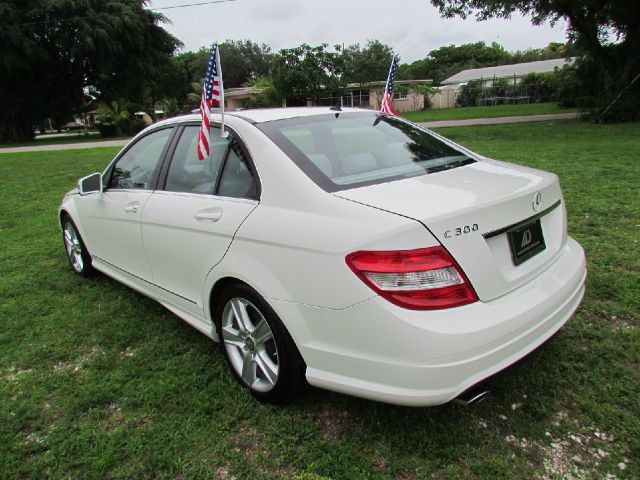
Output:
x=422 y=279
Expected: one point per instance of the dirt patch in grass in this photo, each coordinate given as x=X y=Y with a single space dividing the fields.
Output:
x=576 y=454
x=621 y=324
x=253 y=448
x=14 y=374
x=114 y=416
x=331 y=422
x=79 y=363
x=129 y=352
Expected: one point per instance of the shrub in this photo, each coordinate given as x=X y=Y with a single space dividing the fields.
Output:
x=116 y=121
x=599 y=97
x=469 y=94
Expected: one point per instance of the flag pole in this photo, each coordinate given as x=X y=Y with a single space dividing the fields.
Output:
x=223 y=132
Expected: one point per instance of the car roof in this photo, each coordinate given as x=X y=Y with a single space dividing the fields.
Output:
x=266 y=114
x=270 y=114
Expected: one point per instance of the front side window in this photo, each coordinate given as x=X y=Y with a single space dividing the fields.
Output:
x=356 y=149
x=189 y=174
x=134 y=169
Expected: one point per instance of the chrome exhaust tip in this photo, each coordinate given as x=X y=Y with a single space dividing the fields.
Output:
x=472 y=396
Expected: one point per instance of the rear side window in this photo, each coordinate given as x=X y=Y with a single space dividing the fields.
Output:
x=189 y=174
x=356 y=149
x=135 y=169
x=237 y=178
x=226 y=172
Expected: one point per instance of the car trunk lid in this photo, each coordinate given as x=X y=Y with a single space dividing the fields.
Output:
x=472 y=209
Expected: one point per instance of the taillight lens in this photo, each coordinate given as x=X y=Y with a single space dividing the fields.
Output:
x=422 y=279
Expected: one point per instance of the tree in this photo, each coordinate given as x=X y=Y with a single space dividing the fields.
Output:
x=186 y=76
x=306 y=72
x=55 y=52
x=367 y=64
x=449 y=60
x=243 y=61
x=268 y=95
x=418 y=70
x=608 y=31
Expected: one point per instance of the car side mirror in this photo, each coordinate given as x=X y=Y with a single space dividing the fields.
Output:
x=90 y=184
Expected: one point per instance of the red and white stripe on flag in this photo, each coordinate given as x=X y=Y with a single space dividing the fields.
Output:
x=386 y=107
x=212 y=96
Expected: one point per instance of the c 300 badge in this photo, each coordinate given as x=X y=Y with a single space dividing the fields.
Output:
x=456 y=232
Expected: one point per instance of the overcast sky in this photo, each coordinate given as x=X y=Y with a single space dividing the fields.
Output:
x=411 y=27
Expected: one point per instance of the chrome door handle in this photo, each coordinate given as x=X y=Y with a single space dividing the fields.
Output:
x=209 y=216
x=131 y=209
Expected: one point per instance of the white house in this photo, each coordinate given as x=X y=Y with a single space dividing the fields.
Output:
x=488 y=75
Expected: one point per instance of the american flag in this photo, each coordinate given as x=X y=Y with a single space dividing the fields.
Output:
x=386 y=108
x=212 y=96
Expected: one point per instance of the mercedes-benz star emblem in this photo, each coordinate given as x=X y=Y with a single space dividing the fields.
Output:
x=537 y=202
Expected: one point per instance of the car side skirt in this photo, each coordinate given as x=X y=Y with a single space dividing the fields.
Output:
x=150 y=290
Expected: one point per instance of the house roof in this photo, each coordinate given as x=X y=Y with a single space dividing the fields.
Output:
x=505 y=71
x=241 y=91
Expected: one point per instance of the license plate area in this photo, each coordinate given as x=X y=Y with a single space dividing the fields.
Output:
x=526 y=241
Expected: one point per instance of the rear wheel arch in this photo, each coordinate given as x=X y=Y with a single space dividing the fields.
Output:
x=287 y=368
x=225 y=282
x=218 y=287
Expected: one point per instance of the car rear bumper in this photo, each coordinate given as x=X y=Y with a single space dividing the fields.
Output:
x=379 y=351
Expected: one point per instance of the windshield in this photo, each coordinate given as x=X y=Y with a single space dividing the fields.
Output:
x=348 y=150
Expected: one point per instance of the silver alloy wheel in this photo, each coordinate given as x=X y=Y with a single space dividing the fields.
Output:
x=73 y=246
x=250 y=344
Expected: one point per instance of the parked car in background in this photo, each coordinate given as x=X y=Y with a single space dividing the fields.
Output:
x=70 y=126
x=362 y=254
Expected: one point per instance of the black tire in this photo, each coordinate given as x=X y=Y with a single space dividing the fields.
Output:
x=77 y=253
x=254 y=354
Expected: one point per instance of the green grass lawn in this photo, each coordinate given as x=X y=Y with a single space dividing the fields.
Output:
x=97 y=381
x=462 y=113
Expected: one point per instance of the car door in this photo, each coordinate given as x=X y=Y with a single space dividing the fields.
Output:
x=188 y=225
x=111 y=219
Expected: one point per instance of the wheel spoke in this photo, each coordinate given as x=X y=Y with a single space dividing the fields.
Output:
x=68 y=241
x=262 y=333
x=232 y=337
x=249 y=370
x=242 y=316
x=267 y=367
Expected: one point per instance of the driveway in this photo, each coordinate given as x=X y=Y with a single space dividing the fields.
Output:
x=499 y=120
x=66 y=146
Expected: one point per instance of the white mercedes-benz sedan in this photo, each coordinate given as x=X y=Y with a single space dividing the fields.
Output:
x=362 y=254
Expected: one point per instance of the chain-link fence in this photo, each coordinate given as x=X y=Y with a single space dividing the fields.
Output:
x=506 y=92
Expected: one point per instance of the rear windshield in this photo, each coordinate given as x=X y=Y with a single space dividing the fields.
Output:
x=357 y=149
